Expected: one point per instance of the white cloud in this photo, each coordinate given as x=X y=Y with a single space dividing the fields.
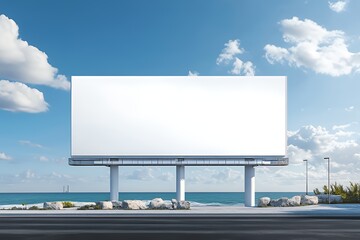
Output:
x=30 y=176
x=241 y=68
x=22 y=62
x=314 y=143
x=226 y=175
x=314 y=47
x=275 y=54
x=349 y=109
x=341 y=127
x=320 y=141
x=229 y=53
x=193 y=73
x=232 y=48
x=43 y=159
x=17 y=97
x=31 y=144
x=142 y=174
x=338 y=6
x=166 y=176
x=215 y=176
x=4 y=156
x=297 y=155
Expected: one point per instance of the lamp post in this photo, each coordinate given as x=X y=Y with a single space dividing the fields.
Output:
x=327 y=158
x=307 y=176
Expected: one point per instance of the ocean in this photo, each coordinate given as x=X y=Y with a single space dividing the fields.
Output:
x=196 y=198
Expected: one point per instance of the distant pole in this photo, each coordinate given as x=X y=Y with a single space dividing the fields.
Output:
x=327 y=158
x=307 y=176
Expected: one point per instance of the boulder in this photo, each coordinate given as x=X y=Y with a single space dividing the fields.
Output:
x=294 y=201
x=323 y=198
x=105 y=205
x=183 y=205
x=133 y=205
x=280 y=202
x=156 y=203
x=173 y=203
x=309 y=200
x=53 y=205
x=264 y=202
x=117 y=204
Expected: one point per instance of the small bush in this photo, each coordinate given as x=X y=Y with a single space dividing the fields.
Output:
x=34 y=208
x=17 y=208
x=68 y=204
x=89 y=207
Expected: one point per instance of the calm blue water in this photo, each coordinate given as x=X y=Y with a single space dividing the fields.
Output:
x=205 y=198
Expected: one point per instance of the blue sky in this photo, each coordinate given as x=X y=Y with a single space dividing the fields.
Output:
x=315 y=43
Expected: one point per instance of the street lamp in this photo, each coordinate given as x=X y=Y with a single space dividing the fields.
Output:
x=307 y=176
x=327 y=158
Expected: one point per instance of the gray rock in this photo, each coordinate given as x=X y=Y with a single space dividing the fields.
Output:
x=156 y=203
x=53 y=205
x=105 y=205
x=167 y=206
x=173 y=203
x=281 y=202
x=309 y=200
x=133 y=205
x=294 y=201
x=264 y=202
x=323 y=198
x=183 y=205
x=117 y=204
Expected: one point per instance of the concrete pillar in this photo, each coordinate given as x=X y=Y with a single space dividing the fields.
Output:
x=180 y=183
x=250 y=186
x=114 y=183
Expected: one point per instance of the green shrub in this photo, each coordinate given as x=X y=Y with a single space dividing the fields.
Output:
x=349 y=194
x=34 y=208
x=68 y=204
x=17 y=208
x=89 y=207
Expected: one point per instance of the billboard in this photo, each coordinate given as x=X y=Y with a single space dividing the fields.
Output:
x=178 y=116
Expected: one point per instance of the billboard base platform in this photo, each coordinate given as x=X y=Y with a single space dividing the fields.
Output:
x=186 y=161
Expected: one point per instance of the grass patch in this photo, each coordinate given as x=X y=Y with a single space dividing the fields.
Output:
x=68 y=204
x=89 y=207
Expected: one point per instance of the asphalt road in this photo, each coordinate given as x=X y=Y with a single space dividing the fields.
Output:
x=178 y=227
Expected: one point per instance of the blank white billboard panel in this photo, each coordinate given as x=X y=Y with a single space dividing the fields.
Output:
x=178 y=116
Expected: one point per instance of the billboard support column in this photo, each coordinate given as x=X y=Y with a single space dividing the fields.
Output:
x=250 y=186
x=180 y=183
x=114 y=183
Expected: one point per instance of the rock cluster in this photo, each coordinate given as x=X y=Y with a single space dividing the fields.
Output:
x=156 y=203
x=288 y=202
